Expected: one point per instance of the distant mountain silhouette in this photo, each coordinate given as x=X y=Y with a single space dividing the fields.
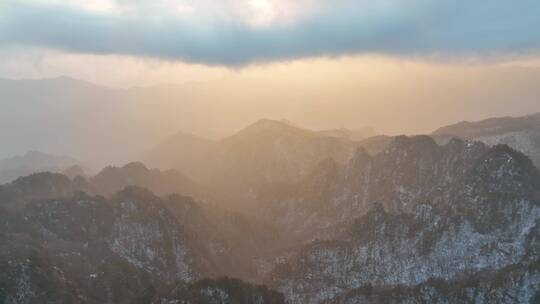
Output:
x=106 y=119
x=266 y=151
x=521 y=133
x=107 y=182
x=185 y=152
x=33 y=162
x=112 y=179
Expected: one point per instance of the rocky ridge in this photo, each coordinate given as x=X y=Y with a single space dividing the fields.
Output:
x=436 y=213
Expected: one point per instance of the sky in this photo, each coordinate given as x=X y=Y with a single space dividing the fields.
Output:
x=236 y=33
x=202 y=39
x=400 y=66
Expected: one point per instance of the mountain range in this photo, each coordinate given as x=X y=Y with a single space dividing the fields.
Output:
x=267 y=151
x=277 y=213
x=415 y=213
x=60 y=244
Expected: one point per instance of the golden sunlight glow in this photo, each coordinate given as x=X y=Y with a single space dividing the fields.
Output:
x=392 y=95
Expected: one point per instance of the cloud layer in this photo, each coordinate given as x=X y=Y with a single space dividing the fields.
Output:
x=342 y=27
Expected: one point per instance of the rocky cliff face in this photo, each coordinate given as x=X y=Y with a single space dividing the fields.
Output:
x=442 y=213
x=405 y=250
x=237 y=244
x=94 y=250
x=90 y=249
x=526 y=141
x=409 y=171
x=220 y=291
x=514 y=284
x=36 y=186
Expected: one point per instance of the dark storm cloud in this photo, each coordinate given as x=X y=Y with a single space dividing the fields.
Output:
x=403 y=28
